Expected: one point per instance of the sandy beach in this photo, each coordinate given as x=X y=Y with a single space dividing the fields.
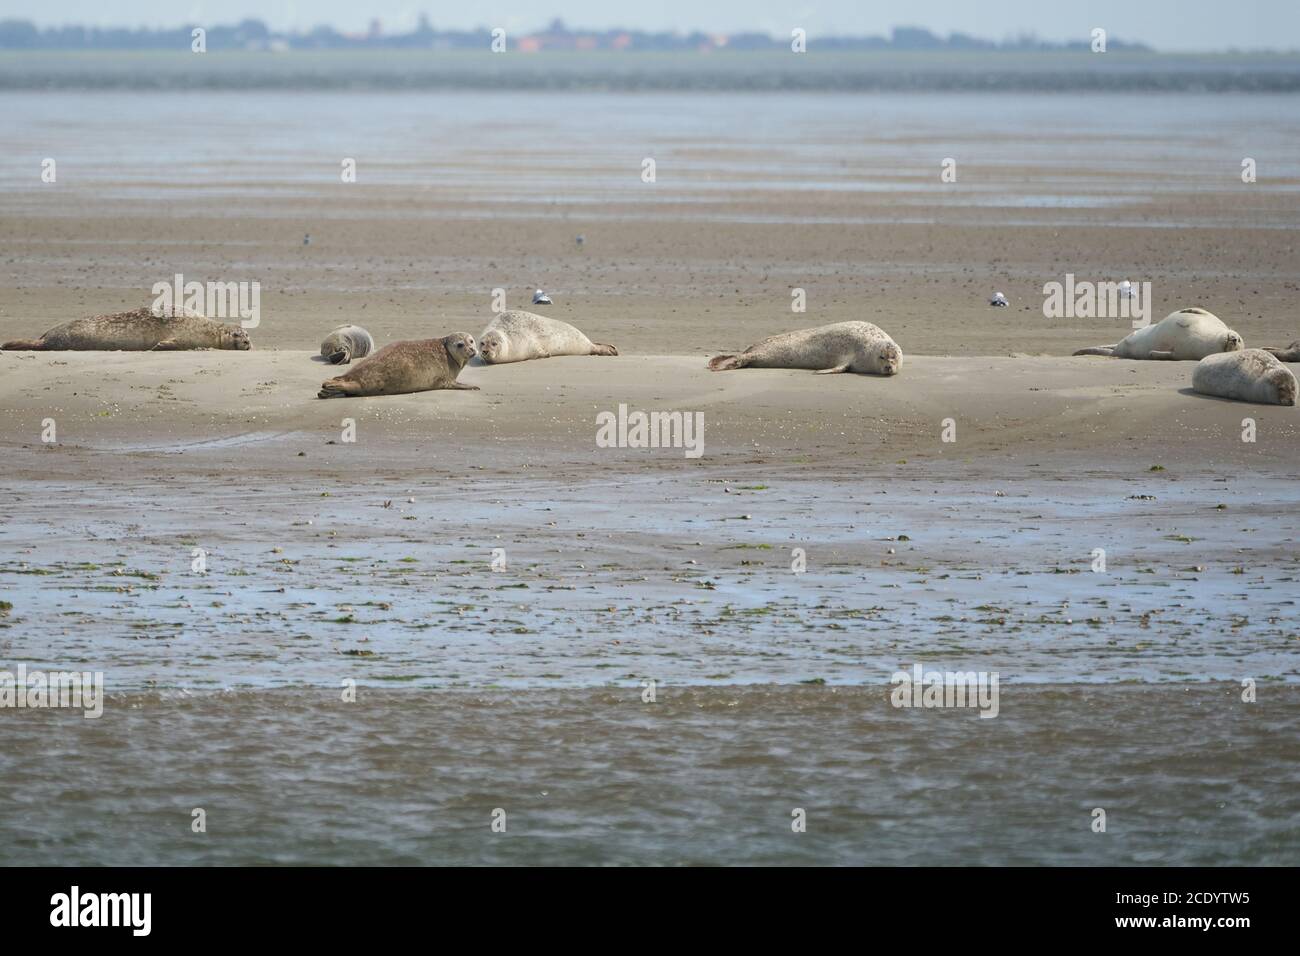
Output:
x=370 y=560
x=1049 y=412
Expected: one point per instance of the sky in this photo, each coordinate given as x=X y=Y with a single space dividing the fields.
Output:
x=1169 y=25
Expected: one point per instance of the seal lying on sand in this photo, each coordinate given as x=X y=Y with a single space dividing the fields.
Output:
x=1289 y=354
x=843 y=347
x=138 y=331
x=414 y=366
x=517 y=336
x=346 y=343
x=1250 y=375
x=1188 y=334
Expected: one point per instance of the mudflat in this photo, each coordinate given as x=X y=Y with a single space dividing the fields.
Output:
x=479 y=562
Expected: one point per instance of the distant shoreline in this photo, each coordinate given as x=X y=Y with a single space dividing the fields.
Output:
x=764 y=71
x=251 y=34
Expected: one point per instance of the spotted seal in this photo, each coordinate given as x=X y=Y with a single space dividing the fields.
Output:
x=411 y=366
x=842 y=347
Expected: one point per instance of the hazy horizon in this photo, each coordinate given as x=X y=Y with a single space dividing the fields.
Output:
x=1165 y=25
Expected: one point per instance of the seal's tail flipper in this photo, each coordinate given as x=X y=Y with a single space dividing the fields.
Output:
x=23 y=345
x=341 y=357
x=598 y=349
x=1098 y=350
x=337 y=388
x=1289 y=354
x=721 y=363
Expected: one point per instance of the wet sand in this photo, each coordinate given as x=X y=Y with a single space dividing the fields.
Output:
x=458 y=195
x=683 y=579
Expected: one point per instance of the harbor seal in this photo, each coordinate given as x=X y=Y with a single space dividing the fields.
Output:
x=138 y=331
x=412 y=366
x=1250 y=375
x=517 y=336
x=842 y=347
x=346 y=343
x=1289 y=354
x=1185 y=335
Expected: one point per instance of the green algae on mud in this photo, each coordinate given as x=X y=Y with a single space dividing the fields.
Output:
x=994 y=583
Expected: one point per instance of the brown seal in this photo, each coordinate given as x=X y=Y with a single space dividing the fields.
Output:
x=138 y=331
x=411 y=366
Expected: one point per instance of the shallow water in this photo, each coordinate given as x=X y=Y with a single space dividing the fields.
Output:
x=1015 y=151
x=686 y=580
x=701 y=776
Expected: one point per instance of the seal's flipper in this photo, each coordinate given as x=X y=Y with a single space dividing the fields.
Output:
x=1098 y=350
x=338 y=388
x=598 y=349
x=24 y=345
x=1161 y=356
x=1289 y=354
x=721 y=363
x=464 y=387
x=341 y=357
x=832 y=371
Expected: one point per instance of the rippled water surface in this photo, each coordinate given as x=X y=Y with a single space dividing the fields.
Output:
x=701 y=776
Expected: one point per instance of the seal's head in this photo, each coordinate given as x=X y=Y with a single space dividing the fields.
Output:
x=460 y=348
x=493 y=347
x=1232 y=342
x=890 y=359
x=236 y=338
